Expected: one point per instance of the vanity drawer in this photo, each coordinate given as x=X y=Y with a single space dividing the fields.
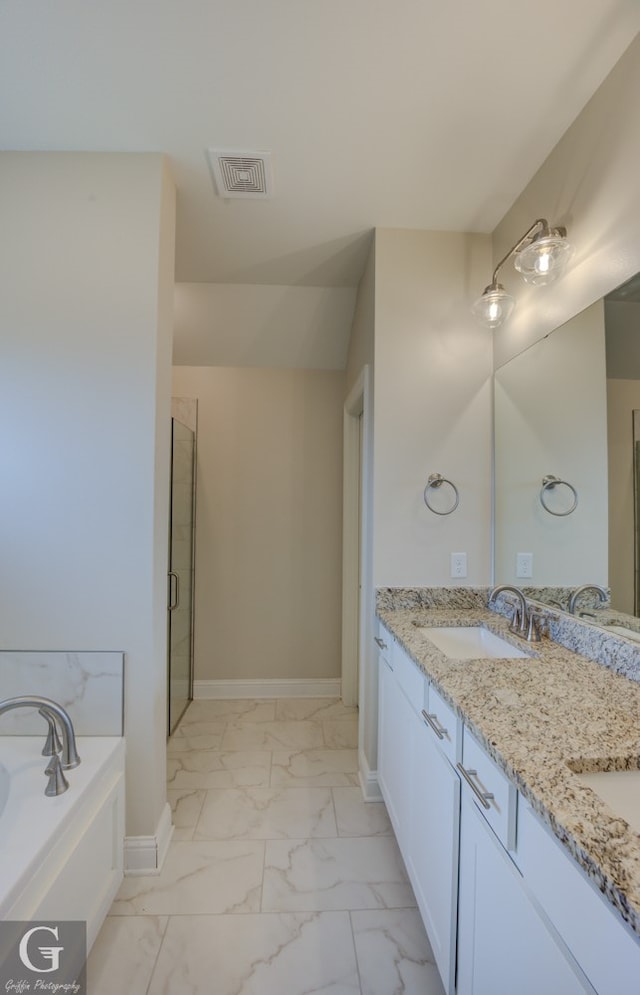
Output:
x=384 y=641
x=481 y=777
x=444 y=724
x=409 y=677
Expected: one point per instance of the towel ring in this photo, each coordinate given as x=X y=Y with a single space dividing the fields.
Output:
x=437 y=480
x=548 y=483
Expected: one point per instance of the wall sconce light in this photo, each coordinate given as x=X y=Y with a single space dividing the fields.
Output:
x=540 y=256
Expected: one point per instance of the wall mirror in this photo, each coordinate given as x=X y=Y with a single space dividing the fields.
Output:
x=564 y=408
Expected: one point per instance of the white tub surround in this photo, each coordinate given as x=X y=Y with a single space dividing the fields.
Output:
x=88 y=685
x=61 y=857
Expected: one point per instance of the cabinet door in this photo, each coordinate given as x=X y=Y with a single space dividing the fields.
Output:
x=504 y=946
x=433 y=848
x=396 y=721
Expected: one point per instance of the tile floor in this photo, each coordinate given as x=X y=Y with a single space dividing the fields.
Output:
x=279 y=880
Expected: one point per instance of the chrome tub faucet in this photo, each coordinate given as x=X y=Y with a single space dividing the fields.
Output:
x=56 y=716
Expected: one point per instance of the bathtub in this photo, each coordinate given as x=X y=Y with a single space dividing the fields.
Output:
x=61 y=858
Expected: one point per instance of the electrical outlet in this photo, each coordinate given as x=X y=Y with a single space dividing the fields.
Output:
x=524 y=565
x=458 y=564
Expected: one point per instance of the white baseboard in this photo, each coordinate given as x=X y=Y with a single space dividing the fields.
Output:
x=324 y=687
x=368 y=780
x=145 y=854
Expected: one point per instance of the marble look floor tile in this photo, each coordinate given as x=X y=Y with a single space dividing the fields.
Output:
x=124 y=954
x=241 y=735
x=198 y=736
x=363 y=873
x=197 y=879
x=186 y=806
x=267 y=813
x=213 y=769
x=249 y=710
x=394 y=954
x=320 y=767
x=289 y=954
x=356 y=817
x=313 y=708
x=341 y=735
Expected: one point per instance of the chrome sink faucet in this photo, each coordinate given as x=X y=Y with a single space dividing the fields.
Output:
x=600 y=591
x=52 y=712
x=522 y=621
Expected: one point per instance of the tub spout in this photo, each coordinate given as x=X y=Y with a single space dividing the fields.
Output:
x=51 y=708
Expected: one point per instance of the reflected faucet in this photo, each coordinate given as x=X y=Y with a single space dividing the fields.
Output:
x=600 y=591
x=51 y=711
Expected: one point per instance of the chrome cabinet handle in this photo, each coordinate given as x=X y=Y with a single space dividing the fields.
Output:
x=484 y=797
x=432 y=720
x=381 y=643
x=173 y=603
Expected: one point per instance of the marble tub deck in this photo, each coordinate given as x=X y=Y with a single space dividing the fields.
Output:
x=280 y=879
x=542 y=719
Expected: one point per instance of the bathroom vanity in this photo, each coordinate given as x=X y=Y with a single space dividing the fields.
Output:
x=526 y=878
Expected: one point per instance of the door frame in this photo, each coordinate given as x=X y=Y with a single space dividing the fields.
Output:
x=356 y=545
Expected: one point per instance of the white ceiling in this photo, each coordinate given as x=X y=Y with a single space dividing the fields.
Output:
x=398 y=113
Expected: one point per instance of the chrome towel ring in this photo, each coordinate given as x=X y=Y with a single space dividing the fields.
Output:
x=548 y=483
x=437 y=480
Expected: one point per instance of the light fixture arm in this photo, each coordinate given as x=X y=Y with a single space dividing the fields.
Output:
x=542 y=223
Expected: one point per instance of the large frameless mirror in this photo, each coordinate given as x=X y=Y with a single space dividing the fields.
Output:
x=566 y=466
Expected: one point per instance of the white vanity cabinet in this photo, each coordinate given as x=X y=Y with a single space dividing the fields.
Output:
x=504 y=944
x=401 y=695
x=504 y=947
x=506 y=909
x=419 y=741
x=432 y=854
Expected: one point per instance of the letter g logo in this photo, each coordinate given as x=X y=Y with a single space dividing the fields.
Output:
x=51 y=954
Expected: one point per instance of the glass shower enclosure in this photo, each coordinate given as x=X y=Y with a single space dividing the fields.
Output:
x=181 y=572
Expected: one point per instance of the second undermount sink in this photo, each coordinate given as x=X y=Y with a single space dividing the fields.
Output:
x=470 y=642
x=620 y=789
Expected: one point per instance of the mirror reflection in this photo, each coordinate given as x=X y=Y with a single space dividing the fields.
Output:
x=567 y=462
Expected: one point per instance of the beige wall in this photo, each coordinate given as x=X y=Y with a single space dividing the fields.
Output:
x=623 y=396
x=232 y=324
x=269 y=513
x=432 y=407
x=86 y=273
x=590 y=184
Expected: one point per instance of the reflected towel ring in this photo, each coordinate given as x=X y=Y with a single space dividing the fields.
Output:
x=437 y=480
x=548 y=483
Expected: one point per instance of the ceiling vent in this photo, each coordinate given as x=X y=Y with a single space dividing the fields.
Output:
x=241 y=174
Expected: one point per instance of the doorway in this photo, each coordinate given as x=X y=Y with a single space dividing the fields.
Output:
x=181 y=573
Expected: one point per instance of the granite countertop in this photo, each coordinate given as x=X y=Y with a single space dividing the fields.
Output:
x=541 y=719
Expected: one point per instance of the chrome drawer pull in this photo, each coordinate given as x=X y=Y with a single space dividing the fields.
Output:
x=484 y=797
x=381 y=643
x=432 y=720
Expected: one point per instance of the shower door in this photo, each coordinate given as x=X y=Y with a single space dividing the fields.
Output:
x=181 y=574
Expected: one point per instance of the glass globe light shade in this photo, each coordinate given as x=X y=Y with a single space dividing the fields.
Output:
x=543 y=260
x=494 y=307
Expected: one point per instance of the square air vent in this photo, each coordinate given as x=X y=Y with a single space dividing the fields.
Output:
x=241 y=174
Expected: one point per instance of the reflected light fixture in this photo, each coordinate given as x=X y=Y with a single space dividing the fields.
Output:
x=540 y=256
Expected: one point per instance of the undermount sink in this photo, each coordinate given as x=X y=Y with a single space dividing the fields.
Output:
x=470 y=642
x=620 y=789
